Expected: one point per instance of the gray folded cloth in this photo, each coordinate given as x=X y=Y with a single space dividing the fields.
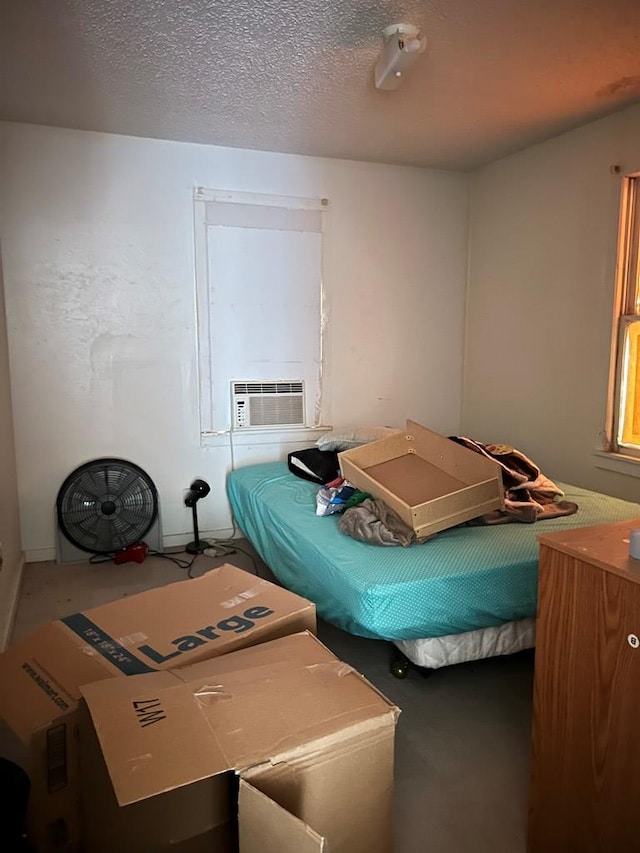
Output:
x=373 y=522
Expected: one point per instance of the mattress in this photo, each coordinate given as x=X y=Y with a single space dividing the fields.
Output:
x=464 y=579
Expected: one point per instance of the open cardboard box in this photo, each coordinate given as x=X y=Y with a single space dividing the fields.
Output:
x=181 y=623
x=430 y=481
x=309 y=738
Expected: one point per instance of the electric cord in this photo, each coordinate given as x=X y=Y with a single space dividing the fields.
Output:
x=96 y=559
x=182 y=564
x=227 y=547
x=218 y=548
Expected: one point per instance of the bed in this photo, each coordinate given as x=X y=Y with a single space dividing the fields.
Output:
x=466 y=594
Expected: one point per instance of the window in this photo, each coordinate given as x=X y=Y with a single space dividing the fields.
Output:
x=624 y=420
x=260 y=302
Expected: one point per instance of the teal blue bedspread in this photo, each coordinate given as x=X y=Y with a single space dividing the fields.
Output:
x=465 y=578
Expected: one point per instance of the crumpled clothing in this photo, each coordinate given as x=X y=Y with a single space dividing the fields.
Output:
x=333 y=498
x=373 y=522
x=528 y=495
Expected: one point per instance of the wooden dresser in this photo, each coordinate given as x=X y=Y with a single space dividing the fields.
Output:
x=585 y=774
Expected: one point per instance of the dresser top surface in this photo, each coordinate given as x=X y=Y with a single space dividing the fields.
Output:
x=605 y=545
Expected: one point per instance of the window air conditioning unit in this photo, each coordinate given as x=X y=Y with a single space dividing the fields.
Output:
x=267 y=404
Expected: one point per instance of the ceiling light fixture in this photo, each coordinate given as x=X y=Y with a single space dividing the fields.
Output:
x=403 y=44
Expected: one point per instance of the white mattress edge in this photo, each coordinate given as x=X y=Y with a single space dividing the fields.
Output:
x=505 y=639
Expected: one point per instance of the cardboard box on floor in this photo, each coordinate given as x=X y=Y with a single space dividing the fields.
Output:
x=310 y=739
x=181 y=623
x=431 y=482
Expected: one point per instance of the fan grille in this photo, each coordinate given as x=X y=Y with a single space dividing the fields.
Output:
x=106 y=505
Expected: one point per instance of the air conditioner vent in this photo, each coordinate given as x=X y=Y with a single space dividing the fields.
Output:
x=268 y=387
x=267 y=404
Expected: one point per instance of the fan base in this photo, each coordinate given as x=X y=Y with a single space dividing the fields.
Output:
x=197 y=547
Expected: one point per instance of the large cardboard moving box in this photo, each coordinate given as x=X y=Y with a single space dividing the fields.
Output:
x=310 y=739
x=430 y=481
x=174 y=625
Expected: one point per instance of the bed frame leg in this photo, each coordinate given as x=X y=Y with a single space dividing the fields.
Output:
x=399 y=664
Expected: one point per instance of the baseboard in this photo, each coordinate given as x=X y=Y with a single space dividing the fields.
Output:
x=39 y=555
x=10 y=581
x=173 y=540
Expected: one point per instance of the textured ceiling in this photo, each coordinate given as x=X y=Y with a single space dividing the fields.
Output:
x=297 y=75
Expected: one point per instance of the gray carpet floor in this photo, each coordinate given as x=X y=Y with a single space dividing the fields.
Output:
x=462 y=743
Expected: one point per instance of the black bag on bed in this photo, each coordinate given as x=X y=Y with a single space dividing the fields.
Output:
x=315 y=465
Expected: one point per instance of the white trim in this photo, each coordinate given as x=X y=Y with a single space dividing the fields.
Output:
x=40 y=555
x=203 y=324
x=172 y=540
x=10 y=582
x=175 y=540
x=272 y=435
x=290 y=202
x=269 y=435
x=617 y=462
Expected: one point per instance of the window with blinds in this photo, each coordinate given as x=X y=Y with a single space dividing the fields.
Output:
x=624 y=427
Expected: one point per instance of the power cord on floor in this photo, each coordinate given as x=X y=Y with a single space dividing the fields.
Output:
x=228 y=547
x=218 y=548
x=183 y=564
x=96 y=559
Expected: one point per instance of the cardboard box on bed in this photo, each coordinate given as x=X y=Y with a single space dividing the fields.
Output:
x=223 y=610
x=430 y=481
x=310 y=739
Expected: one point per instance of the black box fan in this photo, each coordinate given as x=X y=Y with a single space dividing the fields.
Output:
x=104 y=506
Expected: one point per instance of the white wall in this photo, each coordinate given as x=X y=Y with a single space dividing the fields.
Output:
x=97 y=235
x=542 y=261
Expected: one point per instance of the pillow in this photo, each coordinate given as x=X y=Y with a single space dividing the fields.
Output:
x=344 y=438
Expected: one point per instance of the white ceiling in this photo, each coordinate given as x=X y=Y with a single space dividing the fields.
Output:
x=297 y=75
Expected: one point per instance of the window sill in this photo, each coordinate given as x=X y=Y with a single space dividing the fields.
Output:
x=266 y=435
x=618 y=462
